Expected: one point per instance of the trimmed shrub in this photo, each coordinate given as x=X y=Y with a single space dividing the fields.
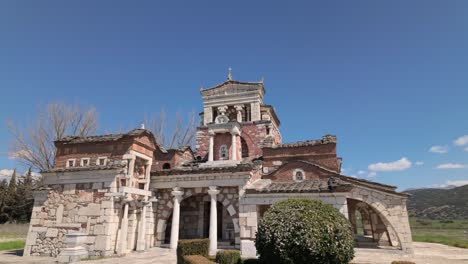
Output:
x=297 y=231
x=228 y=257
x=197 y=259
x=250 y=261
x=192 y=247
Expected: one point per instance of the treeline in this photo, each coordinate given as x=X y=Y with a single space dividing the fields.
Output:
x=16 y=200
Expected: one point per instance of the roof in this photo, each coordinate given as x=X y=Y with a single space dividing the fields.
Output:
x=102 y=138
x=196 y=169
x=233 y=82
x=109 y=138
x=307 y=186
x=273 y=112
x=325 y=140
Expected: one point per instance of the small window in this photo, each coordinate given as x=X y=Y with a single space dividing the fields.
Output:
x=70 y=163
x=84 y=162
x=101 y=161
x=298 y=175
x=141 y=186
x=166 y=166
x=223 y=152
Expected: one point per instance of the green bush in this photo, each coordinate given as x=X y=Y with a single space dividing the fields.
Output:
x=197 y=259
x=228 y=257
x=297 y=231
x=192 y=247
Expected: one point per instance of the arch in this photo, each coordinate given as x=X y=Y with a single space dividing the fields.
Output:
x=227 y=203
x=382 y=223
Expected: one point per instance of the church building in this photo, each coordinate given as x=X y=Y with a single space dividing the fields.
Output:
x=125 y=192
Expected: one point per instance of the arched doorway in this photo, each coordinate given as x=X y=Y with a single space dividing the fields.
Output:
x=369 y=228
x=195 y=220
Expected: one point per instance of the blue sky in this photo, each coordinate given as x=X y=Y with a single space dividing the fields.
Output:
x=388 y=78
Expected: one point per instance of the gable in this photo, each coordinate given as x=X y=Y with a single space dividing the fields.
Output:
x=285 y=172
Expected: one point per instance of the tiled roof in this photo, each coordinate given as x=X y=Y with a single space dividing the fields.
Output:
x=102 y=138
x=325 y=140
x=307 y=186
x=196 y=169
x=232 y=82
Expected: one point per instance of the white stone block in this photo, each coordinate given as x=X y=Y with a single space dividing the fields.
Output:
x=52 y=232
x=248 y=249
x=69 y=189
x=59 y=214
x=107 y=205
x=31 y=240
x=90 y=210
x=231 y=210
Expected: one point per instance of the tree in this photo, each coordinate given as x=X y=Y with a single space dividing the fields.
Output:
x=3 y=199
x=300 y=231
x=24 y=198
x=11 y=198
x=34 y=146
x=183 y=132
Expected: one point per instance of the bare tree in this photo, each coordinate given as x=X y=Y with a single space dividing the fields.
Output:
x=34 y=145
x=183 y=132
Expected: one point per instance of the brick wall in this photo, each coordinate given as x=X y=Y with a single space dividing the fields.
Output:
x=285 y=173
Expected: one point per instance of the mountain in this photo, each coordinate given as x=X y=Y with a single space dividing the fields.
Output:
x=439 y=204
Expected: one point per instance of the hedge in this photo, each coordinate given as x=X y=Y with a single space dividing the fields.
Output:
x=197 y=259
x=228 y=257
x=192 y=247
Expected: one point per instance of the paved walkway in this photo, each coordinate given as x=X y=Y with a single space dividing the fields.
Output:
x=425 y=253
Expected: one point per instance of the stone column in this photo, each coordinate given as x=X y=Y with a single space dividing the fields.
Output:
x=213 y=221
x=177 y=193
x=233 y=147
x=211 y=147
x=141 y=244
x=123 y=231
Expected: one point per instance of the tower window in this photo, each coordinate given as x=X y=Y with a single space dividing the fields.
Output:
x=223 y=152
x=101 y=161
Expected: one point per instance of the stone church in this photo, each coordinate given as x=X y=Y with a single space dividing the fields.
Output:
x=125 y=192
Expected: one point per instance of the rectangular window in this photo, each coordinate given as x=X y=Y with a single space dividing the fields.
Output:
x=101 y=161
x=84 y=162
x=70 y=163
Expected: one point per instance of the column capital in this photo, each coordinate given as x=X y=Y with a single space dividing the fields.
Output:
x=177 y=193
x=213 y=190
x=239 y=107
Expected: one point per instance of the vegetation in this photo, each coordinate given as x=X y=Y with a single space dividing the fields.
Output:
x=304 y=231
x=12 y=245
x=439 y=204
x=228 y=257
x=192 y=247
x=197 y=259
x=16 y=201
x=447 y=232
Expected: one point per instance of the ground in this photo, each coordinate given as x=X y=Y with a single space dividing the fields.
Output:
x=425 y=253
x=448 y=232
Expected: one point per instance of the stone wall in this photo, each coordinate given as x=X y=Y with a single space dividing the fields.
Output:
x=72 y=208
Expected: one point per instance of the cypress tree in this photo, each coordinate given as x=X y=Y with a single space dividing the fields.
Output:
x=11 y=198
x=24 y=198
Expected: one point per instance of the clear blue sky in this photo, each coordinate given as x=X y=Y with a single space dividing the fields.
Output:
x=388 y=78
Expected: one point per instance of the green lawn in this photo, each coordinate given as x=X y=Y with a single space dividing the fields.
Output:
x=19 y=244
x=451 y=233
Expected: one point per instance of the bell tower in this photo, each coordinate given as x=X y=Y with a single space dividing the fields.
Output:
x=235 y=123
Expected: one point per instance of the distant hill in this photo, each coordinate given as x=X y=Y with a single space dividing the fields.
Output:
x=439 y=204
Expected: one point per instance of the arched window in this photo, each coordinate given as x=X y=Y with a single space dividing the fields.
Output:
x=298 y=175
x=223 y=152
x=166 y=166
x=245 y=148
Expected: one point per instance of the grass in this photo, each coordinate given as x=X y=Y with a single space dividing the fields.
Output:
x=452 y=233
x=19 y=244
